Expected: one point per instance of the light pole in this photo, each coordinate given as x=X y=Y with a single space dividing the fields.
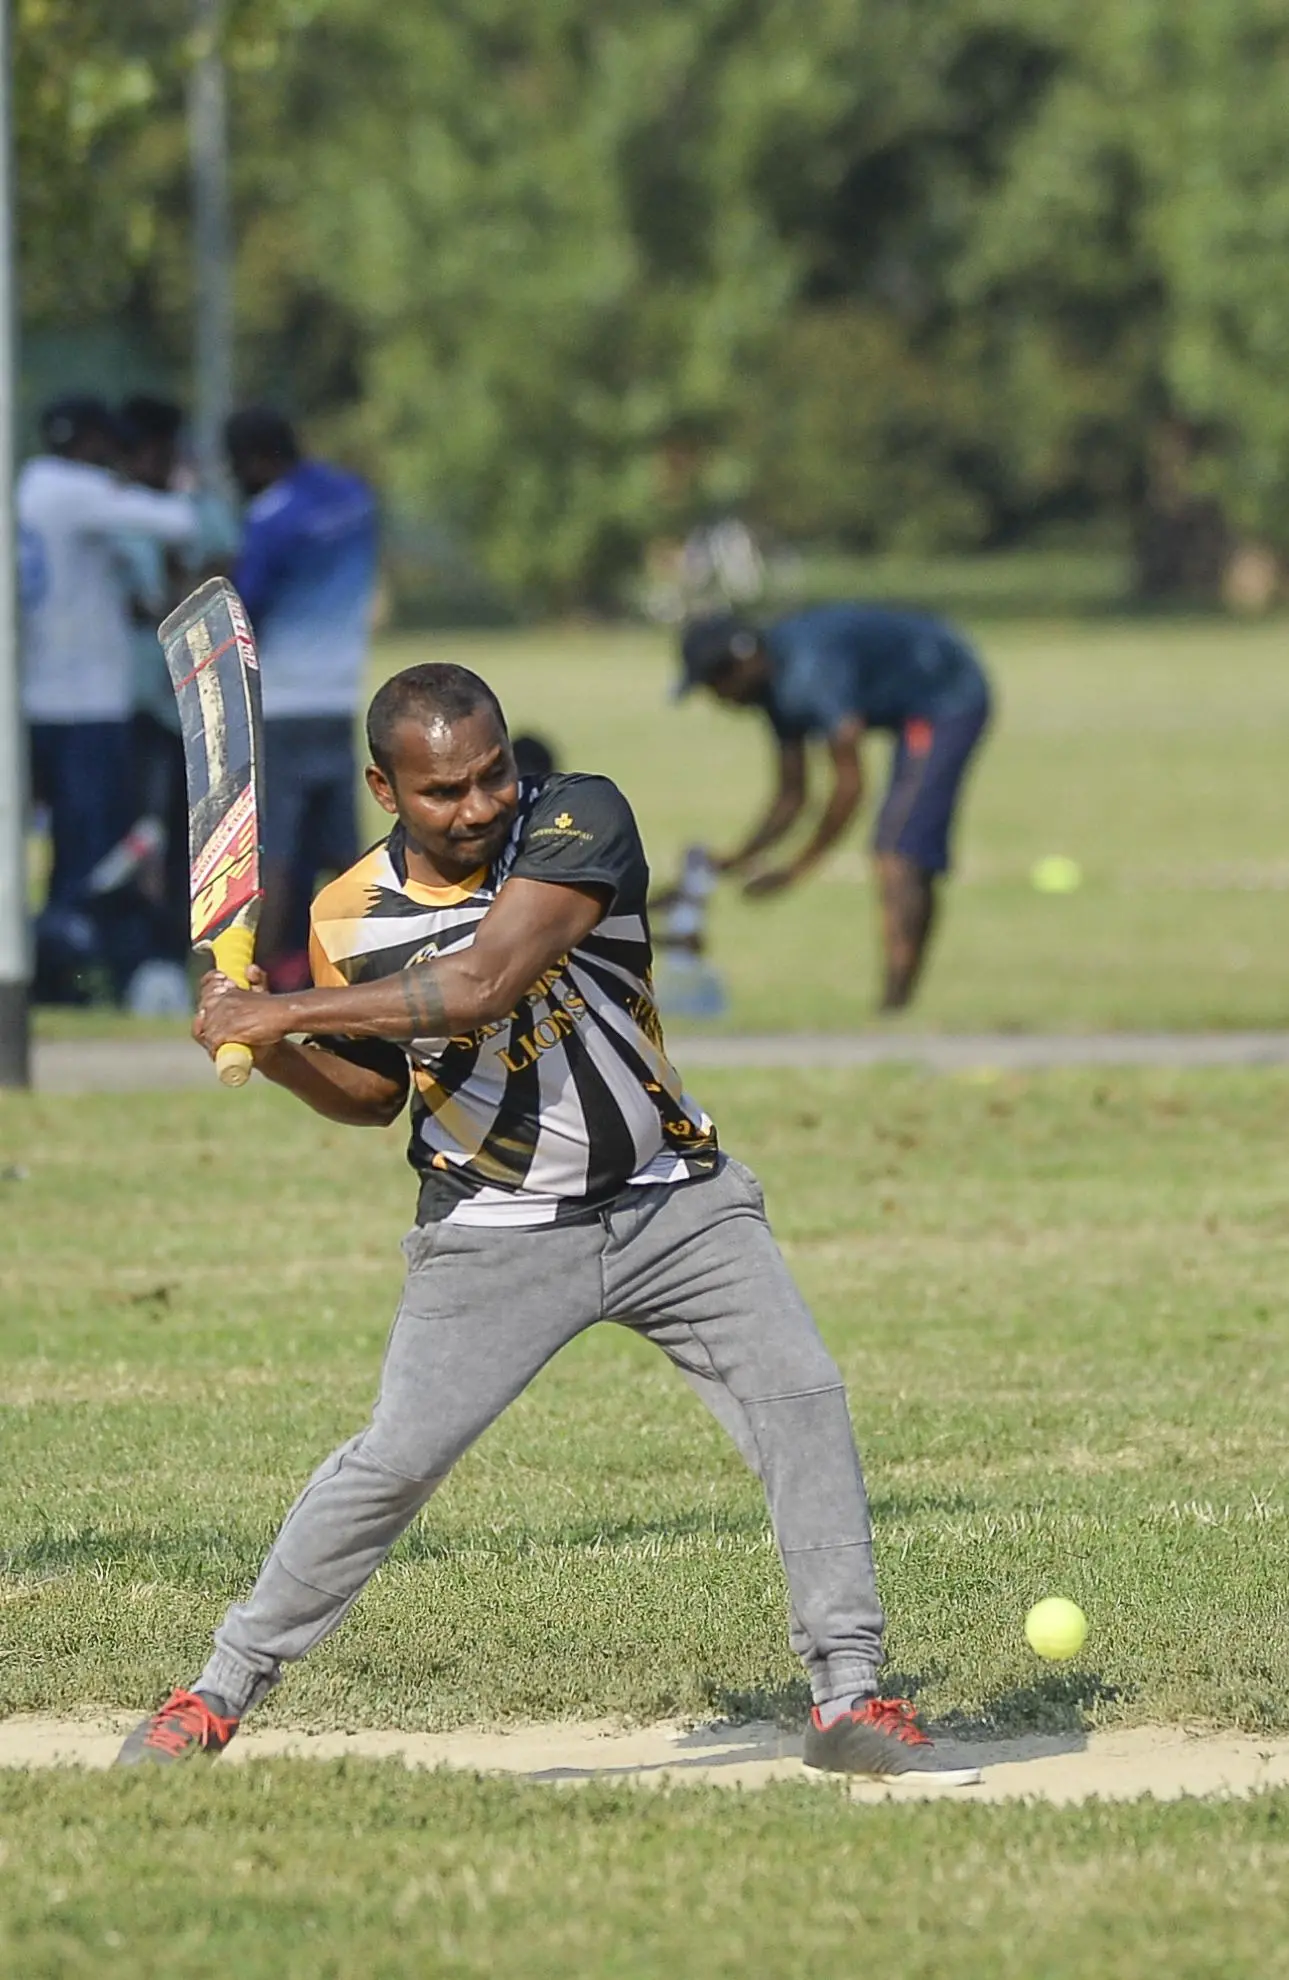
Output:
x=212 y=247
x=15 y=1062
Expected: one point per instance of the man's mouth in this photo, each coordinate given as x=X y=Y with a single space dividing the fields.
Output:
x=489 y=835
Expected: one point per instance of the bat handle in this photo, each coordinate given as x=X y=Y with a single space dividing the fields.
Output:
x=232 y=951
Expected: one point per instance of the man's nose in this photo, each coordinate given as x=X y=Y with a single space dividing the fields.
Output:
x=478 y=807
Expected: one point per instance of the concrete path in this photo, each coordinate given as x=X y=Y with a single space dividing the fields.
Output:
x=990 y=1051
x=116 y=1065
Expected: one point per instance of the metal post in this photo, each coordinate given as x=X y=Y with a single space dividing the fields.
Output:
x=15 y=1067
x=212 y=249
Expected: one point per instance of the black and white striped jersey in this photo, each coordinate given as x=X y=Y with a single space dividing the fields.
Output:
x=552 y=1112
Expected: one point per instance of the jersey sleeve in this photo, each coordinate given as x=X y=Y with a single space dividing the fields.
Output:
x=378 y=1055
x=104 y=504
x=582 y=833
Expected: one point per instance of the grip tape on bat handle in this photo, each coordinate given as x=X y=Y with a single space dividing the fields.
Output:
x=232 y=952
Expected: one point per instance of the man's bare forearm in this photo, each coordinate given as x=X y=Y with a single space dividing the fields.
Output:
x=529 y=928
x=841 y=809
x=333 y=1087
x=434 y=999
x=778 y=820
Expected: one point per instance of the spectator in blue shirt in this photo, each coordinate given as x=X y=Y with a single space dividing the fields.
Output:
x=833 y=673
x=307 y=571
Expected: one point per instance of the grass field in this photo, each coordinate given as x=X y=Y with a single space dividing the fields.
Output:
x=1059 y=1304
x=1058 y=1301
x=301 y=1873
x=1152 y=753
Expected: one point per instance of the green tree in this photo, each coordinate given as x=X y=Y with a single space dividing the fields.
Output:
x=545 y=222
x=1132 y=265
x=568 y=274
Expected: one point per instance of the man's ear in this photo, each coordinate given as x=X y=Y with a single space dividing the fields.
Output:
x=381 y=789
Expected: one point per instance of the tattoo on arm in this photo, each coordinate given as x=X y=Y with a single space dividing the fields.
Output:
x=423 y=1001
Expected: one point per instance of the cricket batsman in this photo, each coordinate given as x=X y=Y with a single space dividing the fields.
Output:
x=491 y=958
x=833 y=673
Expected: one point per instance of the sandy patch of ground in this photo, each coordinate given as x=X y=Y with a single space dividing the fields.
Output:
x=1124 y=1765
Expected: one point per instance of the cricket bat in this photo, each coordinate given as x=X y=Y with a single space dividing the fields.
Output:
x=215 y=672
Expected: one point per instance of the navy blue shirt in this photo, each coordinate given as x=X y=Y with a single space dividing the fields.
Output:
x=887 y=668
x=307 y=574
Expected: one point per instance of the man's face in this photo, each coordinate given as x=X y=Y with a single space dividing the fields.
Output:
x=740 y=681
x=95 y=447
x=152 y=462
x=253 y=473
x=453 y=787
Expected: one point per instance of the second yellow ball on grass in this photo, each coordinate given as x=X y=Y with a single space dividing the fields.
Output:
x=1056 y=1628
x=1056 y=875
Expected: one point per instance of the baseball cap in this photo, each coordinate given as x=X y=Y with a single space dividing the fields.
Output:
x=709 y=643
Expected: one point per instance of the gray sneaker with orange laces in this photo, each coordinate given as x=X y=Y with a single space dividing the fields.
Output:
x=880 y=1738
x=187 y=1724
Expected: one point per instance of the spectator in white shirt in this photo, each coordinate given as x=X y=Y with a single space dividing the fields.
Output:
x=78 y=674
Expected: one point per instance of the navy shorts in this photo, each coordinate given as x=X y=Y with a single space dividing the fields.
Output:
x=927 y=768
x=310 y=787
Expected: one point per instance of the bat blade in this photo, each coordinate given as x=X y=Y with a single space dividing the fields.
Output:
x=215 y=672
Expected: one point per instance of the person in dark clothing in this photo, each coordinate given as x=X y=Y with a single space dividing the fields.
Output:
x=834 y=673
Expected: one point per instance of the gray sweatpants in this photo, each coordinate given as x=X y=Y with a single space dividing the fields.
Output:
x=693 y=1268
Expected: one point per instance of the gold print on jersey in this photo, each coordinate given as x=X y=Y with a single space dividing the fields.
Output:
x=465 y=1041
x=563 y=828
x=644 y=1012
x=527 y=1048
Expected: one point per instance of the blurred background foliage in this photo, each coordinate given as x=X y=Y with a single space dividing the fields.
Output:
x=569 y=276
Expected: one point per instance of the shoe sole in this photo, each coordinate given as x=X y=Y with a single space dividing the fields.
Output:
x=947 y=1777
x=861 y=1751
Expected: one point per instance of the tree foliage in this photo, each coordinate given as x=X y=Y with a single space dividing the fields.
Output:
x=570 y=274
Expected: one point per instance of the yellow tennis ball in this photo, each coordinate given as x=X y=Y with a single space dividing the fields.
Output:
x=1056 y=875
x=1056 y=1629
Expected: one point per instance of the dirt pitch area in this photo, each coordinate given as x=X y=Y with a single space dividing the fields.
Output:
x=1125 y=1765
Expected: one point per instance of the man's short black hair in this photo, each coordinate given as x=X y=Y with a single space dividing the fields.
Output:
x=144 y=418
x=533 y=756
x=434 y=689
x=261 y=432
x=69 y=420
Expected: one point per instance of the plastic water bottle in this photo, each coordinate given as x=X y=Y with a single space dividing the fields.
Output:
x=687 y=987
x=685 y=984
